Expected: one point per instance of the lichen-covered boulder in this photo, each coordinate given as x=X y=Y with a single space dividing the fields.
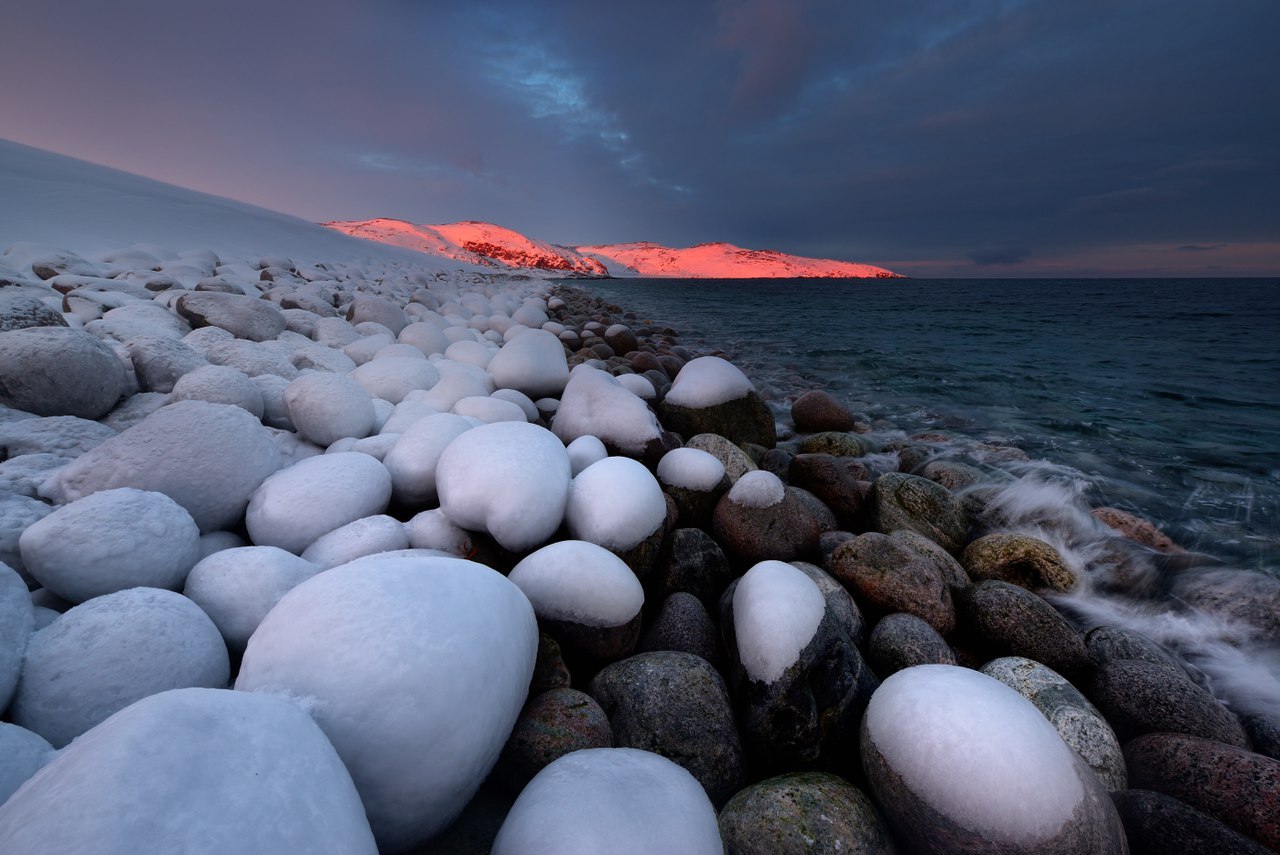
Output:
x=900 y=501
x=1019 y=559
x=804 y=812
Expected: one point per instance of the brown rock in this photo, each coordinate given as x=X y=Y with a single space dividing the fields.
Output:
x=1020 y=560
x=1136 y=529
x=883 y=574
x=817 y=411
x=899 y=501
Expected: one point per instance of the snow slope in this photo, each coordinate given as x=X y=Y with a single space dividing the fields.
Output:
x=58 y=201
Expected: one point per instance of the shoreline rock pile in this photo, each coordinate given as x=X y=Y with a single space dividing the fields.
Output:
x=350 y=558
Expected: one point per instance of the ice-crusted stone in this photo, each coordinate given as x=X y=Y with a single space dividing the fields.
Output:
x=510 y=479
x=416 y=669
x=109 y=541
x=579 y=582
x=962 y=763
x=618 y=800
x=394 y=377
x=296 y=505
x=16 y=625
x=595 y=404
x=17 y=513
x=20 y=309
x=161 y=361
x=415 y=457
x=327 y=407
x=206 y=457
x=533 y=363
x=241 y=315
x=615 y=503
x=24 y=753
x=489 y=409
x=106 y=653
x=65 y=436
x=711 y=395
x=56 y=371
x=236 y=587
x=432 y=530
x=365 y=536
x=193 y=770
x=219 y=384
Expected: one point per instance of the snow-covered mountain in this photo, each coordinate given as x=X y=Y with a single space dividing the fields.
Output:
x=495 y=246
x=476 y=243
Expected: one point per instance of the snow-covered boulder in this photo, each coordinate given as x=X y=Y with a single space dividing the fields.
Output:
x=962 y=763
x=365 y=536
x=206 y=457
x=615 y=503
x=596 y=404
x=432 y=530
x=56 y=371
x=510 y=479
x=533 y=363
x=24 y=752
x=489 y=409
x=109 y=541
x=326 y=407
x=315 y=496
x=711 y=395
x=415 y=668
x=776 y=612
x=160 y=361
x=192 y=770
x=106 y=653
x=414 y=458
x=236 y=587
x=616 y=800
x=584 y=451
x=426 y=337
x=394 y=377
x=220 y=384
x=239 y=314
x=16 y=625
x=579 y=582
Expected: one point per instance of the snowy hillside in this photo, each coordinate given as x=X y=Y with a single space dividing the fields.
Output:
x=48 y=199
x=721 y=261
x=476 y=243
x=496 y=246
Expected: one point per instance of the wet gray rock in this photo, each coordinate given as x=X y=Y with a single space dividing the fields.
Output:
x=836 y=443
x=549 y=670
x=693 y=562
x=903 y=641
x=899 y=501
x=952 y=474
x=817 y=411
x=1245 y=596
x=56 y=371
x=1077 y=721
x=801 y=813
x=837 y=481
x=243 y=316
x=889 y=576
x=551 y=725
x=1157 y=824
x=1264 y=733
x=1117 y=644
x=1015 y=621
x=684 y=625
x=1019 y=559
x=1139 y=697
x=1234 y=786
x=676 y=705
x=745 y=419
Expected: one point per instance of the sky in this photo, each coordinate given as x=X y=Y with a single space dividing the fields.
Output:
x=933 y=137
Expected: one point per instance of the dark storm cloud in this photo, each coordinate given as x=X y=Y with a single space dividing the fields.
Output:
x=940 y=135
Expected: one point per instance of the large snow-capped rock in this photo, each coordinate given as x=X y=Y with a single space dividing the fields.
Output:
x=415 y=668
x=192 y=770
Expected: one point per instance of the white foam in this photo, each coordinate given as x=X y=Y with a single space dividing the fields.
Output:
x=976 y=751
x=707 y=381
x=776 y=611
x=576 y=581
x=758 y=488
x=615 y=503
x=691 y=468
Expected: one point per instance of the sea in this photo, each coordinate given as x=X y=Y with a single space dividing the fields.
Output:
x=1162 y=394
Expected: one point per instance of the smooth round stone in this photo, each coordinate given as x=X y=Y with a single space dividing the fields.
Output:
x=366 y=307
x=677 y=705
x=1077 y=721
x=327 y=407
x=1136 y=529
x=220 y=384
x=736 y=462
x=952 y=474
x=692 y=561
x=22 y=310
x=415 y=668
x=900 y=501
x=159 y=362
x=533 y=363
x=394 y=377
x=902 y=641
x=297 y=505
x=366 y=536
x=106 y=653
x=553 y=724
x=1023 y=624
x=962 y=763
x=837 y=481
x=783 y=531
x=1117 y=644
x=56 y=371
x=415 y=458
x=1139 y=697
x=1230 y=784
x=1021 y=560
x=684 y=625
x=889 y=576
x=1157 y=824
x=618 y=800
x=17 y=621
x=236 y=587
x=24 y=753
x=241 y=315
x=615 y=503
x=489 y=409
x=801 y=813
x=1247 y=597
x=109 y=541
x=206 y=457
x=837 y=444
x=193 y=770
x=817 y=411
x=426 y=337
x=710 y=395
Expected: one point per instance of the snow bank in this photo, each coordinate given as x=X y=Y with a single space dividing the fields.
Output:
x=615 y=800
x=776 y=611
x=192 y=770
x=579 y=582
x=415 y=668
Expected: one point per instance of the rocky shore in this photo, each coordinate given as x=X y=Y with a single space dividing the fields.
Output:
x=344 y=557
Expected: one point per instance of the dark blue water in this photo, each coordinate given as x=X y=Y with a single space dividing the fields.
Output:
x=1164 y=394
